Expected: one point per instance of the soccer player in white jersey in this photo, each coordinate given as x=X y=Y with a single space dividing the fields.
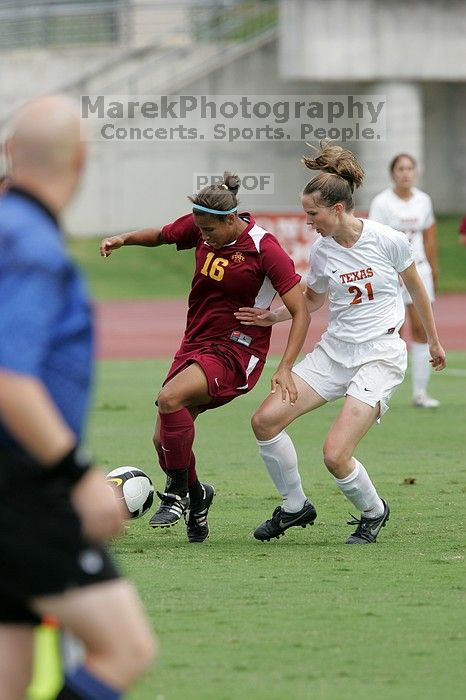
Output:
x=356 y=263
x=408 y=209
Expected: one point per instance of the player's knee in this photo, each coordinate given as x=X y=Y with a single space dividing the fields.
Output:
x=335 y=458
x=262 y=425
x=168 y=401
x=128 y=659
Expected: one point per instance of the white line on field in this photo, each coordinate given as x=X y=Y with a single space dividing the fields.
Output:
x=455 y=372
x=451 y=372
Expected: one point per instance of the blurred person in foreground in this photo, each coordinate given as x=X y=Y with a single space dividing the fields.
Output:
x=356 y=264
x=56 y=510
x=406 y=208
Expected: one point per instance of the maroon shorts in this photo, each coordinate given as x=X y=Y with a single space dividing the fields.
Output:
x=230 y=370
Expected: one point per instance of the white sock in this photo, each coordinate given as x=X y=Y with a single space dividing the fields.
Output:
x=359 y=489
x=281 y=461
x=420 y=368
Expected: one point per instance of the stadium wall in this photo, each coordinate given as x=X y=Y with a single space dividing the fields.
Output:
x=130 y=185
x=414 y=54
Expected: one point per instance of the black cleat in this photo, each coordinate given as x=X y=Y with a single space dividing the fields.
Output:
x=197 y=526
x=368 y=528
x=171 y=509
x=281 y=521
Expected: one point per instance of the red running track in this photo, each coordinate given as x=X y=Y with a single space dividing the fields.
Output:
x=151 y=329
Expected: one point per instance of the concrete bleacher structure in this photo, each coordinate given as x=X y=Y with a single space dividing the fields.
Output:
x=414 y=54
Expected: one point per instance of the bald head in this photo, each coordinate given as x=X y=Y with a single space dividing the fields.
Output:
x=45 y=135
x=46 y=155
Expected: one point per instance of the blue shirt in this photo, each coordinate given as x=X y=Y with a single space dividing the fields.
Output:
x=45 y=315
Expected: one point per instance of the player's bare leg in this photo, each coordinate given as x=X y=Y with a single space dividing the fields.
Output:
x=350 y=426
x=108 y=619
x=277 y=450
x=200 y=494
x=16 y=654
x=420 y=361
x=173 y=440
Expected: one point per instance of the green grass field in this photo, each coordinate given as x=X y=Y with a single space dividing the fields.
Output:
x=147 y=272
x=305 y=617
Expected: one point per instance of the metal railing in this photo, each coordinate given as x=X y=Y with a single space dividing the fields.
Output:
x=129 y=23
x=160 y=45
x=50 y=24
x=215 y=33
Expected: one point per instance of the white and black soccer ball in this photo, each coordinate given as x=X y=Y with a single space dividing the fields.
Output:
x=134 y=487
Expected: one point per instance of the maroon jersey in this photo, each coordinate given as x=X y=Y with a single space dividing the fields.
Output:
x=248 y=272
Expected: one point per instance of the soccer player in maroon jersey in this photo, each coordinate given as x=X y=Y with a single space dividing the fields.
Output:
x=238 y=264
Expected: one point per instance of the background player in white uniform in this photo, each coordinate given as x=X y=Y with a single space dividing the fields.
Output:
x=356 y=263
x=408 y=209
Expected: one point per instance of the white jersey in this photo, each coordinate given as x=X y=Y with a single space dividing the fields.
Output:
x=412 y=216
x=365 y=300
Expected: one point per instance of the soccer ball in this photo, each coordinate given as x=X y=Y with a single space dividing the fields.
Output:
x=134 y=487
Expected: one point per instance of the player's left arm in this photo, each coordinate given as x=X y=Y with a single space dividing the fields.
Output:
x=300 y=319
x=430 y=246
x=417 y=290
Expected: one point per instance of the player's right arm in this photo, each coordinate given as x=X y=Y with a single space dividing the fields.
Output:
x=429 y=236
x=249 y=316
x=31 y=417
x=421 y=301
x=149 y=237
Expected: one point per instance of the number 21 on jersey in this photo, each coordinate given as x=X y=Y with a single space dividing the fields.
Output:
x=358 y=293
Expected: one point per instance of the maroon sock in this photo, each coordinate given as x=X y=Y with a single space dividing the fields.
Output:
x=192 y=474
x=161 y=456
x=176 y=438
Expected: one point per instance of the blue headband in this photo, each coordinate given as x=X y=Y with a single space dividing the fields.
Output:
x=214 y=211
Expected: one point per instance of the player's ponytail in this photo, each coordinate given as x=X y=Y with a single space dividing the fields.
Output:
x=340 y=174
x=218 y=198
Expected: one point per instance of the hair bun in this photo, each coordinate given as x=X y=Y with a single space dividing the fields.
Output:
x=221 y=197
x=231 y=182
x=336 y=160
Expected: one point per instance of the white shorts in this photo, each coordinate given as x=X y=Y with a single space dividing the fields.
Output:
x=425 y=273
x=372 y=381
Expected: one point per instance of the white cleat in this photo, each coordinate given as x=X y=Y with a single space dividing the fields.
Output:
x=425 y=401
